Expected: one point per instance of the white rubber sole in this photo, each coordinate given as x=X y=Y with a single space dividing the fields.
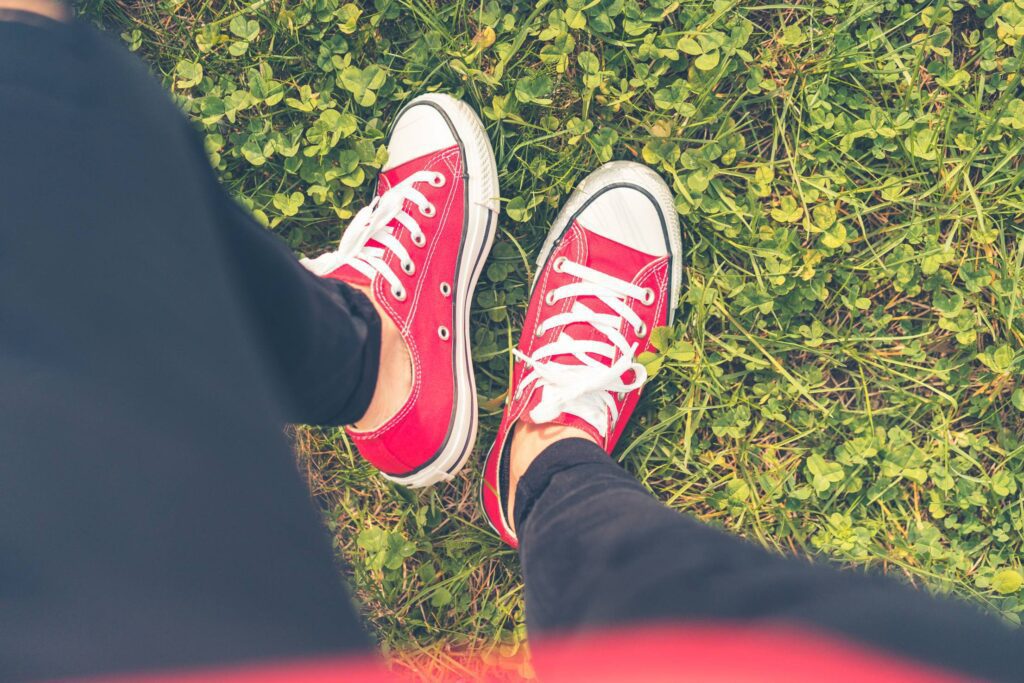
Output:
x=612 y=174
x=482 y=208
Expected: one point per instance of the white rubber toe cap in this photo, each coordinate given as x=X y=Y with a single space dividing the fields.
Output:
x=626 y=215
x=420 y=130
x=622 y=204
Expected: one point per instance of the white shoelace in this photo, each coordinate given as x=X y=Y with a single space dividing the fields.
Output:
x=374 y=222
x=585 y=390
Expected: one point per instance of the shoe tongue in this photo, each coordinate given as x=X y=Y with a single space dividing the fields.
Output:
x=349 y=275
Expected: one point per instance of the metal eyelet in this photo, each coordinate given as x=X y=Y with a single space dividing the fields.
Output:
x=538 y=332
x=446 y=289
x=559 y=263
x=648 y=296
x=549 y=298
x=438 y=180
x=399 y=293
x=408 y=267
x=641 y=331
x=419 y=239
x=621 y=395
x=443 y=333
x=428 y=211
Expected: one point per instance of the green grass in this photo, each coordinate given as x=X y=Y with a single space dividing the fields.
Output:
x=844 y=378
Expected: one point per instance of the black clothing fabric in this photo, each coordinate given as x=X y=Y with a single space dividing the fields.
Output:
x=153 y=342
x=598 y=550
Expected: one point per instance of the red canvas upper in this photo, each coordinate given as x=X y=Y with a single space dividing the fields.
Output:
x=585 y=247
x=409 y=440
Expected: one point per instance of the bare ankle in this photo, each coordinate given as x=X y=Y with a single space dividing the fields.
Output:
x=528 y=442
x=394 y=374
x=46 y=8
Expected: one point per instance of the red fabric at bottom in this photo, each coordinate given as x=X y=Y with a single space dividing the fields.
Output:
x=722 y=653
x=691 y=653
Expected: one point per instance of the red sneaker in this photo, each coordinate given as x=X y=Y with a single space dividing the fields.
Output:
x=420 y=245
x=608 y=274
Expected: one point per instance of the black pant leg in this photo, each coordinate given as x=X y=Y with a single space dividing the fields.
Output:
x=151 y=514
x=598 y=551
x=319 y=337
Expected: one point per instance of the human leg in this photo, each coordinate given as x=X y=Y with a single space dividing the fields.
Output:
x=150 y=511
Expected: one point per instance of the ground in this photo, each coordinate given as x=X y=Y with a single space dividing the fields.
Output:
x=844 y=375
